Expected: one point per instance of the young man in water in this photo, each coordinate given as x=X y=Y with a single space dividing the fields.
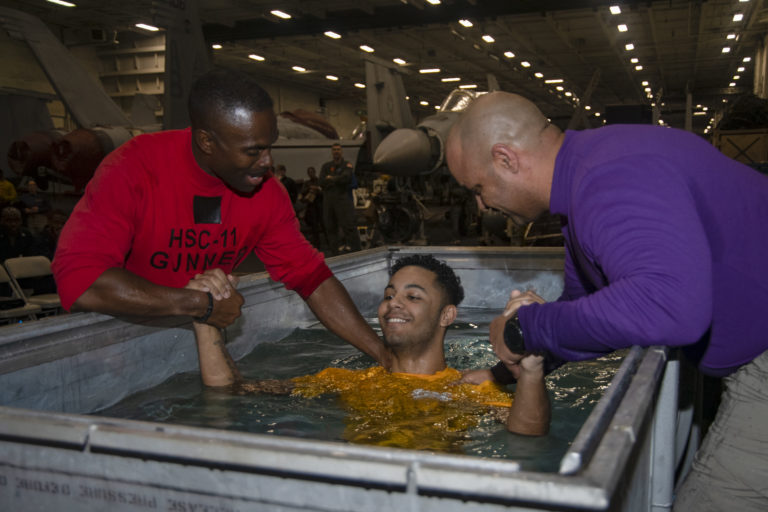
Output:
x=419 y=305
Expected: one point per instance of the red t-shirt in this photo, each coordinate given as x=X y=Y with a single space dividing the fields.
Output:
x=152 y=210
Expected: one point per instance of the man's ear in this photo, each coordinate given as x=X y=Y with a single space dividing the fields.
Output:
x=504 y=157
x=448 y=315
x=204 y=140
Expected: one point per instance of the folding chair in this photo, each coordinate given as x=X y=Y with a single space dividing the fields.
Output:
x=26 y=267
x=14 y=306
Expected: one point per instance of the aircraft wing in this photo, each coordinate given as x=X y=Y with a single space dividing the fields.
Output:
x=85 y=99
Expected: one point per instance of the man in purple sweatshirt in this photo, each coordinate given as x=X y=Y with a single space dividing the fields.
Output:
x=666 y=244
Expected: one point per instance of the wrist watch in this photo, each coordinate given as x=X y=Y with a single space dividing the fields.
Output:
x=513 y=335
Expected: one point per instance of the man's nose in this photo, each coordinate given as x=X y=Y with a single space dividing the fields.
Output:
x=265 y=158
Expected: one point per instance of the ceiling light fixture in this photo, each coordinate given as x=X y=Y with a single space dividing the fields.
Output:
x=638 y=68
x=429 y=70
x=425 y=103
x=332 y=34
x=587 y=107
x=468 y=86
x=615 y=9
x=569 y=93
x=644 y=83
x=280 y=14
x=738 y=16
x=332 y=78
x=525 y=64
x=62 y=3
x=726 y=49
x=731 y=36
x=366 y=48
x=554 y=81
x=736 y=77
x=629 y=47
x=450 y=79
x=359 y=85
x=433 y=2
x=256 y=57
x=634 y=60
x=216 y=46
x=746 y=59
x=488 y=38
x=398 y=60
x=740 y=69
x=299 y=69
x=622 y=27
x=560 y=88
x=732 y=84
x=465 y=23
x=538 y=75
x=509 y=55
x=147 y=27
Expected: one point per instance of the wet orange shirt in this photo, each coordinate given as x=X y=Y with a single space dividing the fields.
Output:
x=426 y=412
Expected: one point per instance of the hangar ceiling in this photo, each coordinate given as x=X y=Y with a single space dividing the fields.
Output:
x=677 y=46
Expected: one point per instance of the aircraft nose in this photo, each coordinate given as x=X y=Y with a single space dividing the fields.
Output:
x=404 y=152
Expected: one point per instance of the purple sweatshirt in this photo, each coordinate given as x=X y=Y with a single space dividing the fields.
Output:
x=666 y=244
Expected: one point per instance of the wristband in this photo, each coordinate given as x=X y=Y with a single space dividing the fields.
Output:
x=513 y=335
x=207 y=315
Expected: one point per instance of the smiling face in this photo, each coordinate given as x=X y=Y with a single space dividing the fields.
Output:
x=238 y=148
x=410 y=314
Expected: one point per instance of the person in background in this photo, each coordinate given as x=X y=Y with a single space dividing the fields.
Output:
x=312 y=197
x=15 y=239
x=49 y=238
x=168 y=206
x=421 y=402
x=35 y=207
x=665 y=245
x=8 y=194
x=287 y=182
x=339 y=214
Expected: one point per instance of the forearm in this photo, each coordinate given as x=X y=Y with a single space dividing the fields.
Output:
x=119 y=292
x=333 y=306
x=530 y=412
x=217 y=368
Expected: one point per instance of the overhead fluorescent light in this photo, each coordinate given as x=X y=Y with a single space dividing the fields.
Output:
x=359 y=85
x=256 y=57
x=332 y=78
x=332 y=34
x=299 y=69
x=644 y=83
x=468 y=86
x=62 y=3
x=638 y=68
x=553 y=81
x=587 y=107
x=738 y=16
x=280 y=14
x=647 y=89
x=437 y=107
x=746 y=59
x=465 y=23
x=736 y=77
x=366 y=48
x=568 y=93
x=398 y=60
x=731 y=36
x=144 y=26
x=732 y=84
x=425 y=103
x=488 y=38
x=216 y=46
x=433 y=2
x=726 y=49
x=538 y=75
x=429 y=70
x=629 y=47
x=634 y=60
x=699 y=113
x=450 y=79
x=509 y=55
x=740 y=69
x=525 y=64
x=560 y=88
x=622 y=27
x=615 y=9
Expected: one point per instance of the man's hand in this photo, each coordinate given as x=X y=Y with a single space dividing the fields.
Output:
x=227 y=300
x=476 y=376
x=517 y=299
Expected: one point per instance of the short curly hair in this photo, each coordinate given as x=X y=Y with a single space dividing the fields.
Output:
x=219 y=92
x=446 y=277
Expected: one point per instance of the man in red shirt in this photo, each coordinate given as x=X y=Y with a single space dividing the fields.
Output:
x=168 y=206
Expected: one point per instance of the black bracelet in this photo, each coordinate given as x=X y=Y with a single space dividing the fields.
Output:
x=513 y=335
x=207 y=315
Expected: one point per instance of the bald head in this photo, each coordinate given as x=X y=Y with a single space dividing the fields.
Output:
x=503 y=148
x=498 y=117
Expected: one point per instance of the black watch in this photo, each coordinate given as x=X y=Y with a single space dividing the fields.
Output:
x=513 y=335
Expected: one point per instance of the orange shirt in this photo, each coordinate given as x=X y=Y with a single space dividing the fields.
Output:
x=425 y=412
